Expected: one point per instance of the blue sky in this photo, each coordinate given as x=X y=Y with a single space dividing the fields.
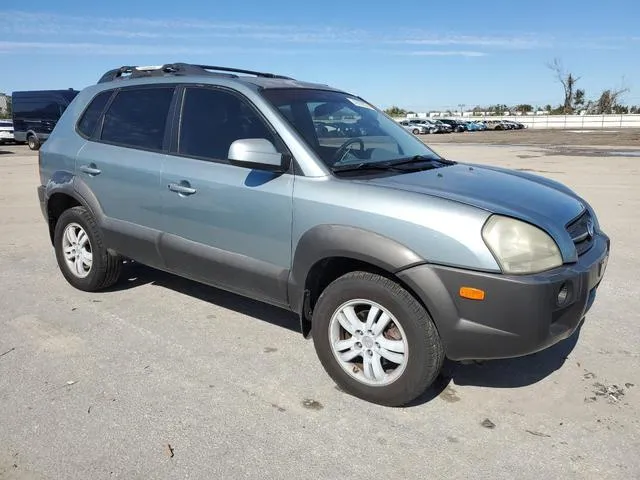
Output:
x=416 y=54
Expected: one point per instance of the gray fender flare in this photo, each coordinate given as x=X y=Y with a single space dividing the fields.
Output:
x=68 y=184
x=326 y=241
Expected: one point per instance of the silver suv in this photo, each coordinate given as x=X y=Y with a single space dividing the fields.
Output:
x=392 y=256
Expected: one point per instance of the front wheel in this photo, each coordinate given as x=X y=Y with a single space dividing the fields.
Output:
x=416 y=131
x=375 y=340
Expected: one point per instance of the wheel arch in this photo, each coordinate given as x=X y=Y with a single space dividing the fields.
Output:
x=65 y=192
x=326 y=252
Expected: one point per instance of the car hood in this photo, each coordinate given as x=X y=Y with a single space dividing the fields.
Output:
x=534 y=199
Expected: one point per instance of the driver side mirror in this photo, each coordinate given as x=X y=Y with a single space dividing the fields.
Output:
x=257 y=153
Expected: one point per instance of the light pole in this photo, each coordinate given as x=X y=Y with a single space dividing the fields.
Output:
x=462 y=105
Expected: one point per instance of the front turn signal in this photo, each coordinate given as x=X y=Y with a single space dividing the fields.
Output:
x=472 y=293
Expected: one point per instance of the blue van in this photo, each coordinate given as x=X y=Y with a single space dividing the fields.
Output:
x=36 y=112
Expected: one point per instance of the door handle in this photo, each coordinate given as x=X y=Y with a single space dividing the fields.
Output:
x=182 y=188
x=90 y=169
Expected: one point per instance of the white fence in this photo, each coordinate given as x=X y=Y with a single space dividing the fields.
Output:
x=579 y=122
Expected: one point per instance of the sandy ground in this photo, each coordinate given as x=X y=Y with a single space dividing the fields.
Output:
x=164 y=378
x=545 y=137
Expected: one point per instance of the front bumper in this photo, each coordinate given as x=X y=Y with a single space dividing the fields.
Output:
x=520 y=315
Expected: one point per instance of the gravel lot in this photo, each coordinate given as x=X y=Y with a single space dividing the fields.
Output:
x=164 y=378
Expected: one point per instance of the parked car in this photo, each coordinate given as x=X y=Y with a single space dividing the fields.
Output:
x=496 y=125
x=434 y=126
x=429 y=126
x=475 y=126
x=514 y=125
x=392 y=256
x=456 y=125
x=36 y=112
x=442 y=127
x=6 y=132
x=415 y=128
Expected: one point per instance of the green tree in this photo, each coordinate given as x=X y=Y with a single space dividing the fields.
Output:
x=498 y=109
x=524 y=108
x=395 y=111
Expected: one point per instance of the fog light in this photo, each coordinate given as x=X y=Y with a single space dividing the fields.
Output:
x=563 y=294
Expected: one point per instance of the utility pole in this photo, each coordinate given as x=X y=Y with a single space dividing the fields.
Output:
x=462 y=105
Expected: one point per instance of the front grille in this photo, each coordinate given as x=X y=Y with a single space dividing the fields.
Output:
x=581 y=231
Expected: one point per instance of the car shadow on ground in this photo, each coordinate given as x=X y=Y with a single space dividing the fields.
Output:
x=509 y=373
x=135 y=275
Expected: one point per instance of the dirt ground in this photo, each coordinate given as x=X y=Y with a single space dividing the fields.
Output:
x=629 y=137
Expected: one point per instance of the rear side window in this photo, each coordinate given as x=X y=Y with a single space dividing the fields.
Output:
x=137 y=117
x=91 y=115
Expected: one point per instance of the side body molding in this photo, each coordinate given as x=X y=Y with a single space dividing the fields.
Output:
x=326 y=241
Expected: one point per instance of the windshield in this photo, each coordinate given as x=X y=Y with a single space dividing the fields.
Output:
x=345 y=130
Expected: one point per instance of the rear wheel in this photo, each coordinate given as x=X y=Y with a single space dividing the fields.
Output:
x=375 y=340
x=82 y=257
x=33 y=142
x=416 y=131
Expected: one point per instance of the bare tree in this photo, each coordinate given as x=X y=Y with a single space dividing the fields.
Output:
x=568 y=82
x=609 y=100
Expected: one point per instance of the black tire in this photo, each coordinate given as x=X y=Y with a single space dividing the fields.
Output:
x=426 y=354
x=33 y=142
x=106 y=266
x=416 y=131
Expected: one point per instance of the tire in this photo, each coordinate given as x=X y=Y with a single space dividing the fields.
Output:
x=415 y=131
x=423 y=357
x=33 y=142
x=105 y=267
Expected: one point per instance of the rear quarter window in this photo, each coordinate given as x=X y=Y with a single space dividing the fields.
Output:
x=89 y=119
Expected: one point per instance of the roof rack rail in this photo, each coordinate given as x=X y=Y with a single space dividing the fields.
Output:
x=128 y=71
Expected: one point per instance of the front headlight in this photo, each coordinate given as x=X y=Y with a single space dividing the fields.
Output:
x=519 y=247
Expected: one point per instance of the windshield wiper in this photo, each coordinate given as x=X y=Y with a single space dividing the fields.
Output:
x=395 y=165
x=419 y=159
x=364 y=166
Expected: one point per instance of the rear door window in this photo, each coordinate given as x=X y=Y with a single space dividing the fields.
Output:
x=137 y=118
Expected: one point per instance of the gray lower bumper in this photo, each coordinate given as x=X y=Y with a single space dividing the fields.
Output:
x=520 y=315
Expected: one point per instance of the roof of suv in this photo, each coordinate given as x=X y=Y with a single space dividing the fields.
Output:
x=192 y=72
